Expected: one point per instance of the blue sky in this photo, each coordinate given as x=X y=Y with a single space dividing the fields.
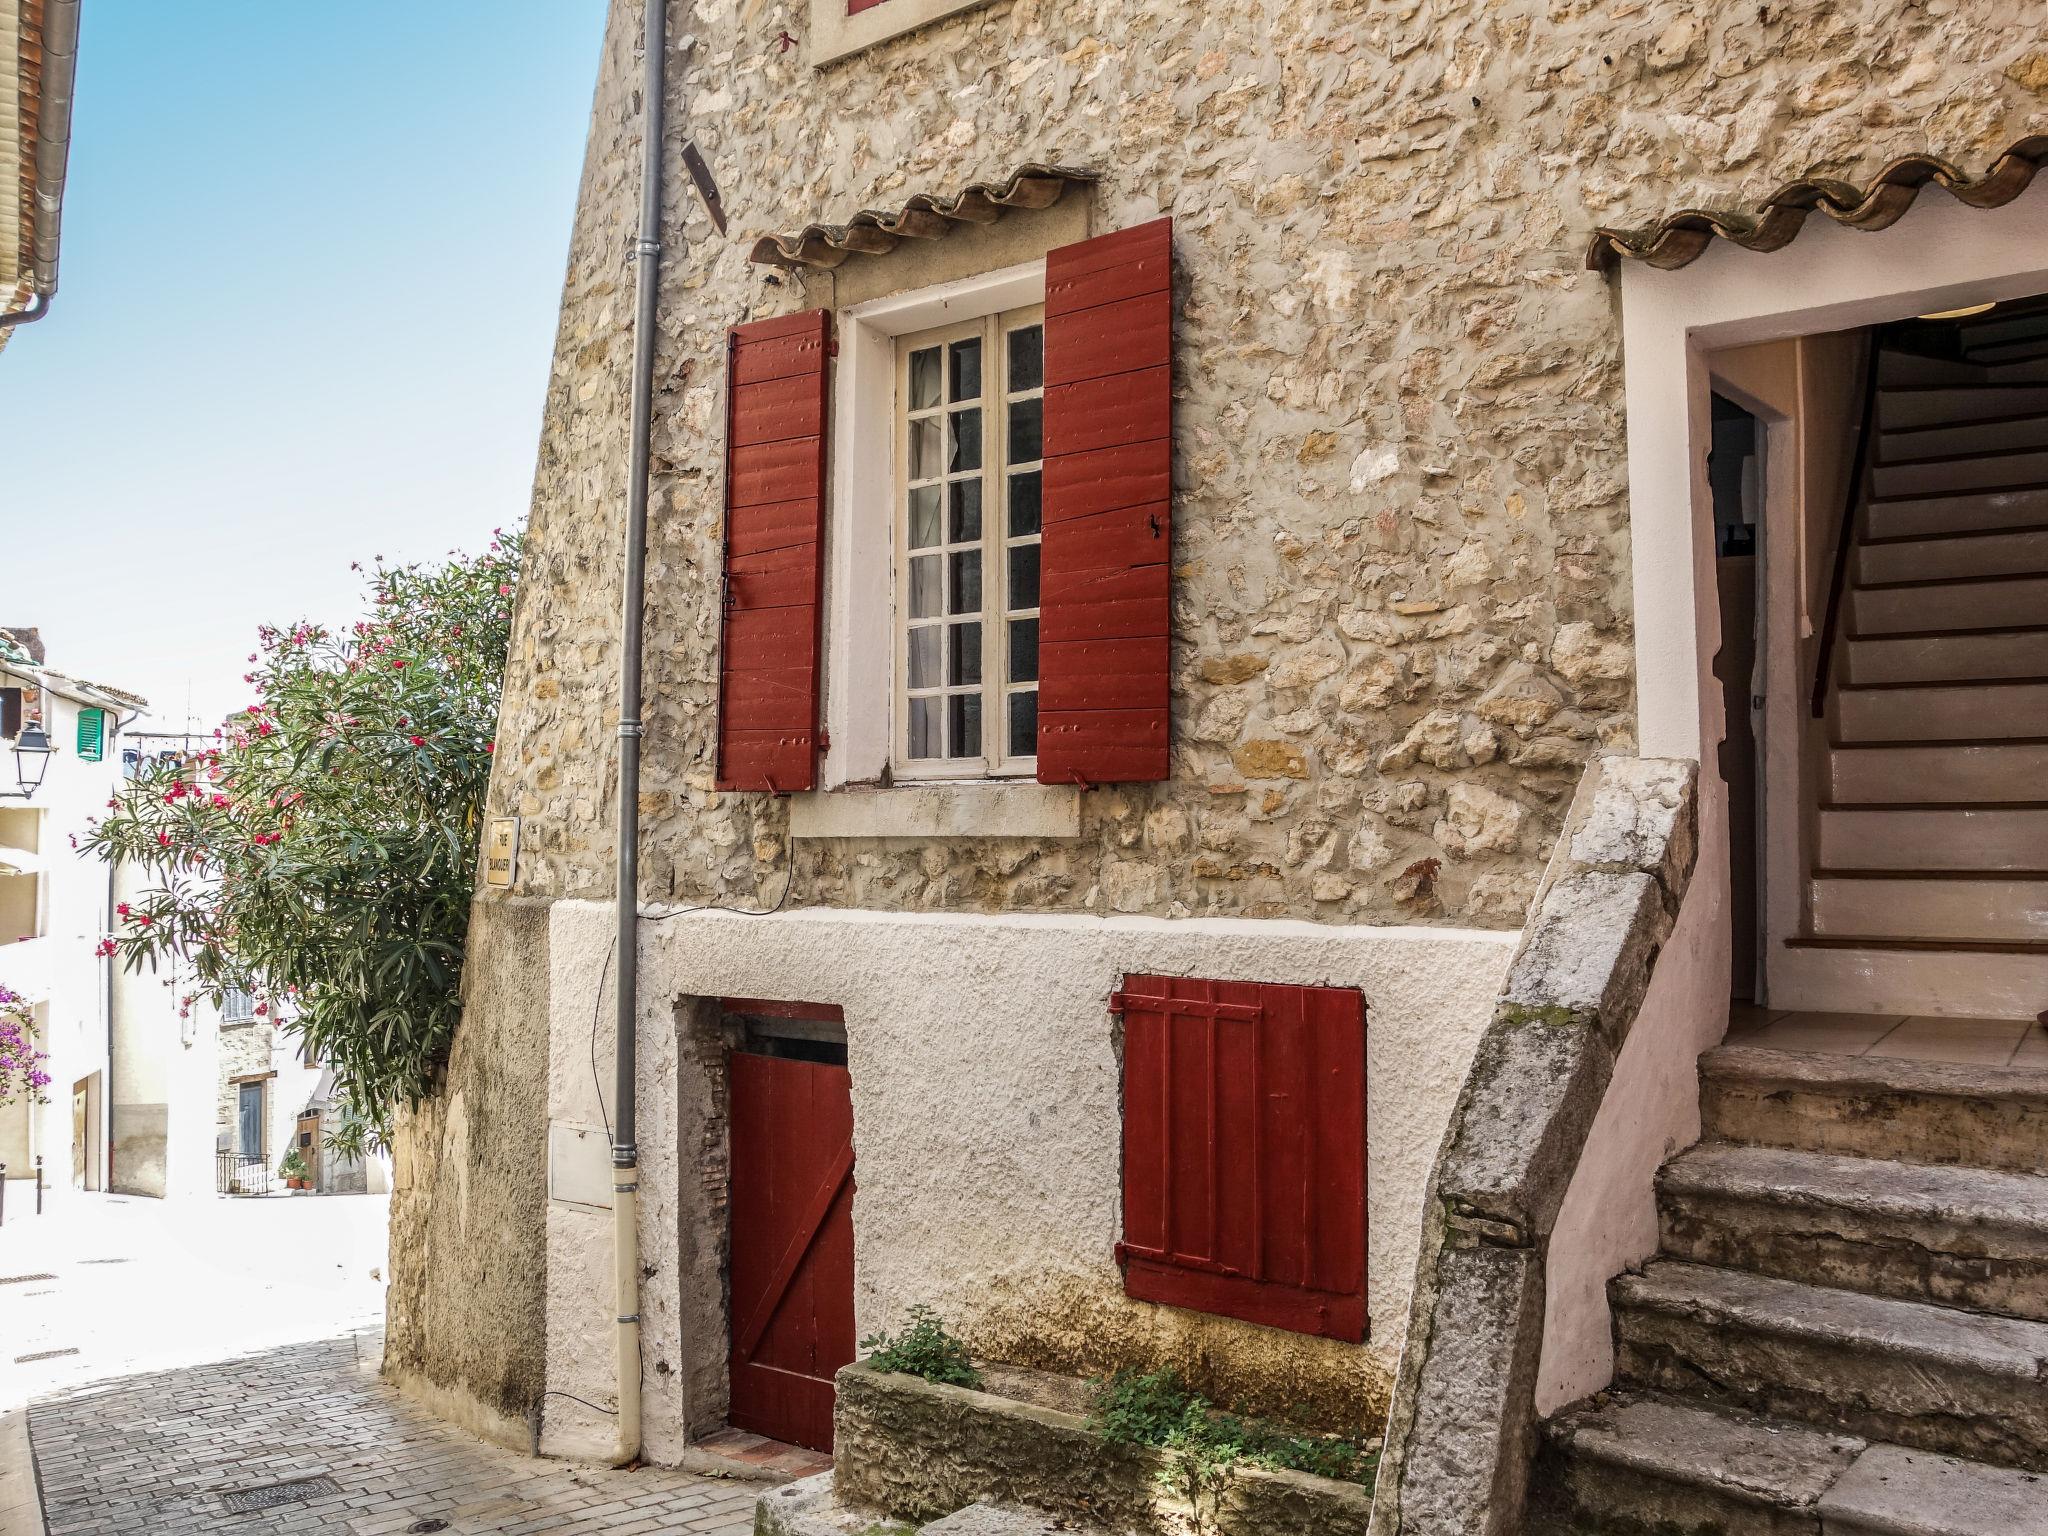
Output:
x=312 y=256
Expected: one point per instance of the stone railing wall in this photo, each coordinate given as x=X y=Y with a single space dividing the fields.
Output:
x=1461 y=1434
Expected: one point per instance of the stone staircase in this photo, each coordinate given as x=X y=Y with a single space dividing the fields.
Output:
x=1845 y=1332
x=1930 y=889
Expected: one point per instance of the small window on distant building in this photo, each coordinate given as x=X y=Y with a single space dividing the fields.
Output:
x=237 y=1007
x=92 y=735
x=10 y=712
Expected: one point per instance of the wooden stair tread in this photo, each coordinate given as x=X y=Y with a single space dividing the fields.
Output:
x=1918 y=946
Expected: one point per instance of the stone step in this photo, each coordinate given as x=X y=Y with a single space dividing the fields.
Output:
x=1988 y=907
x=1001 y=1520
x=1937 y=1113
x=1639 y=1462
x=1964 y=603
x=1956 y=712
x=1931 y=557
x=1947 y=475
x=1949 y=837
x=1956 y=514
x=1918 y=406
x=1999 y=771
x=1958 y=1237
x=1949 y=658
x=2020 y=430
x=1933 y=1378
x=810 y=1507
x=1643 y=1462
x=1895 y=1491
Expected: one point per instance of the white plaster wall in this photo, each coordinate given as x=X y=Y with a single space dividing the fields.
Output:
x=985 y=1090
x=1938 y=256
x=1608 y=1222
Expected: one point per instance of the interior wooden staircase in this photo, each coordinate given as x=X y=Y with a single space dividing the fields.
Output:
x=1929 y=893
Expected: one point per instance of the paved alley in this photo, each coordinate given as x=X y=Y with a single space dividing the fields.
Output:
x=189 y=1366
x=306 y=1439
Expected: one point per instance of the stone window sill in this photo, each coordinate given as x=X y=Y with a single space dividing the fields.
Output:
x=993 y=809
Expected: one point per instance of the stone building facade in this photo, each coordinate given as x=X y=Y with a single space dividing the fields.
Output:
x=1403 y=621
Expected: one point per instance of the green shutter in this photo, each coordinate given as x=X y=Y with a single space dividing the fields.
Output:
x=92 y=735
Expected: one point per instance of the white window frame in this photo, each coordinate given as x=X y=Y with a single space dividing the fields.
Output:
x=834 y=34
x=996 y=612
x=860 y=559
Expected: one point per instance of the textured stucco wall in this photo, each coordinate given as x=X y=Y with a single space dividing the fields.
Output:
x=466 y=1307
x=987 y=1137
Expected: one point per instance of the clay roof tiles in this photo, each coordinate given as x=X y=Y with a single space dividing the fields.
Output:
x=1685 y=235
x=923 y=216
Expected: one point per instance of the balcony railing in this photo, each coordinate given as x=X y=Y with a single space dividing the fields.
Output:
x=235 y=1174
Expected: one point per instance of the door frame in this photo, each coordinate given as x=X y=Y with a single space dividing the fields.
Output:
x=1939 y=255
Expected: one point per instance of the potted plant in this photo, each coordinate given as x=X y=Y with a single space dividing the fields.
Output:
x=294 y=1172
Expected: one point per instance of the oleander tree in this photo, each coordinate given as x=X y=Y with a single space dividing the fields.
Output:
x=22 y=1077
x=321 y=854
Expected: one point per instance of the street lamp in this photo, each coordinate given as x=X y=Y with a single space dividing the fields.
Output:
x=31 y=758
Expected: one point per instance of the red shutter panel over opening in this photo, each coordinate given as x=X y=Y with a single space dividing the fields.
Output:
x=774 y=552
x=1103 y=686
x=1245 y=1151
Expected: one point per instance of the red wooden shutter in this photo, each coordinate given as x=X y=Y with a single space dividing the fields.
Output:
x=1244 y=1151
x=1103 y=689
x=774 y=552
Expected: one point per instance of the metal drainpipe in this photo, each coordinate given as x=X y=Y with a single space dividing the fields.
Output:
x=625 y=1150
x=53 y=152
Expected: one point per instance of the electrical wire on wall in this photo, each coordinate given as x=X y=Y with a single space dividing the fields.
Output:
x=597 y=1002
x=596 y=1010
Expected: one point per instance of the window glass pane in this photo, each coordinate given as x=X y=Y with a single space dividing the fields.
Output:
x=924 y=728
x=1024 y=491
x=1027 y=358
x=1027 y=418
x=966 y=370
x=1024 y=724
x=924 y=657
x=1023 y=576
x=924 y=448
x=1023 y=650
x=966 y=496
x=964 y=664
x=966 y=441
x=924 y=516
x=964 y=711
x=924 y=587
x=924 y=379
x=966 y=581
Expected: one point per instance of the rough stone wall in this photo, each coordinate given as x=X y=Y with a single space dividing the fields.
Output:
x=466 y=1325
x=244 y=1052
x=1401 y=597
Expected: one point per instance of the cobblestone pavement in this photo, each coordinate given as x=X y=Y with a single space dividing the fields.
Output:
x=158 y=1454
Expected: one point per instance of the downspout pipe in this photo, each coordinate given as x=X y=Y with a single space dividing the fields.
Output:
x=52 y=155
x=625 y=1148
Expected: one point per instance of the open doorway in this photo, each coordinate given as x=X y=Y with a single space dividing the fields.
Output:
x=1736 y=483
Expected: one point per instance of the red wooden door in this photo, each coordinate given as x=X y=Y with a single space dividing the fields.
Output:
x=792 y=1244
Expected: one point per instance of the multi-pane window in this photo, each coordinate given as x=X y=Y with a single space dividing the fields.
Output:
x=969 y=422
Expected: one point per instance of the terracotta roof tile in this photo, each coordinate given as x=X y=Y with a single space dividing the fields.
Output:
x=923 y=216
x=1683 y=236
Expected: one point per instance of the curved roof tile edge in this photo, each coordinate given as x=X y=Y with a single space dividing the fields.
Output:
x=1684 y=236
x=923 y=216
